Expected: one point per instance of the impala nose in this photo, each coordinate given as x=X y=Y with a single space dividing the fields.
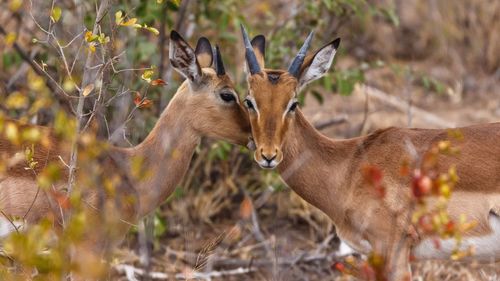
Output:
x=269 y=157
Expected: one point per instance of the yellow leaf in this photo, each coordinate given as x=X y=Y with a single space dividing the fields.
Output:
x=130 y=22
x=103 y=39
x=159 y=1
x=92 y=47
x=35 y=82
x=16 y=100
x=68 y=84
x=177 y=2
x=88 y=89
x=118 y=17
x=90 y=37
x=56 y=14
x=11 y=132
x=14 y=5
x=31 y=134
x=147 y=75
x=152 y=29
x=10 y=38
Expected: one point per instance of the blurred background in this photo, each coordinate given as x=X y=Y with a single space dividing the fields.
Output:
x=411 y=63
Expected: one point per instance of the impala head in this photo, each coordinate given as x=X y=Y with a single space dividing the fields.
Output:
x=272 y=94
x=207 y=97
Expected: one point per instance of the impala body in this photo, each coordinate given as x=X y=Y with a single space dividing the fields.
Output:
x=327 y=173
x=206 y=104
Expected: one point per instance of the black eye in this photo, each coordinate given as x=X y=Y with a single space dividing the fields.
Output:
x=227 y=97
x=293 y=106
x=249 y=104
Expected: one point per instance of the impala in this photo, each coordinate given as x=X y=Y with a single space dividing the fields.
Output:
x=327 y=172
x=206 y=104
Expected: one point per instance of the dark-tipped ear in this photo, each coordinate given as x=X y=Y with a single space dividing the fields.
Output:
x=317 y=64
x=183 y=58
x=203 y=52
x=259 y=48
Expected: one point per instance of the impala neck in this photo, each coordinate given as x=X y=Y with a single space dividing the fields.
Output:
x=315 y=166
x=166 y=152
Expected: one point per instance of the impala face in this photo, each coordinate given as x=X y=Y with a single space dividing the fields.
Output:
x=215 y=108
x=271 y=104
x=272 y=94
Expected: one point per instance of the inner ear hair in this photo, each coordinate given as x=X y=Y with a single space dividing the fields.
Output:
x=315 y=65
x=183 y=58
x=259 y=48
x=203 y=52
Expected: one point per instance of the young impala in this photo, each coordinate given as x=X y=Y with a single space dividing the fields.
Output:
x=327 y=173
x=206 y=104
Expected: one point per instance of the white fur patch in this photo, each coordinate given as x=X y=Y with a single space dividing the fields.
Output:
x=486 y=247
x=7 y=227
x=345 y=250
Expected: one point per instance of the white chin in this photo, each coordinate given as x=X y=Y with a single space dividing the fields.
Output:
x=266 y=165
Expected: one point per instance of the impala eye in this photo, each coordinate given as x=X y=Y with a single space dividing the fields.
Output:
x=249 y=104
x=293 y=106
x=227 y=97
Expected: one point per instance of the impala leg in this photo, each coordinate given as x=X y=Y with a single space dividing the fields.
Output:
x=398 y=262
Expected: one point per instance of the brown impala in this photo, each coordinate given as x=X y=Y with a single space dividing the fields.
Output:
x=206 y=104
x=327 y=172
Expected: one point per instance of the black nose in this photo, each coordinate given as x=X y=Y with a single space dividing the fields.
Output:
x=269 y=158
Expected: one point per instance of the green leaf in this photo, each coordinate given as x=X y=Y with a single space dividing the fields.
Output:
x=160 y=226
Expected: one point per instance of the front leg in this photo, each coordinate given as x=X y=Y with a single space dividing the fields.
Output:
x=397 y=261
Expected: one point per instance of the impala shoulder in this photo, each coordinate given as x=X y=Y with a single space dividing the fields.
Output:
x=380 y=136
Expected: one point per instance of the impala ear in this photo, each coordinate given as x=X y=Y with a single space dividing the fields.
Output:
x=183 y=58
x=317 y=64
x=204 y=53
x=259 y=48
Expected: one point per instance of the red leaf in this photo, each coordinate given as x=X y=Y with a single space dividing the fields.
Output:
x=450 y=228
x=425 y=223
x=142 y=102
x=372 y=175
x=61 y=199
x=246 y=208
x=146 y=103
x=421 y=184
x=137 y=99
x=158 y=82
x=380 y=191
x=338 y=266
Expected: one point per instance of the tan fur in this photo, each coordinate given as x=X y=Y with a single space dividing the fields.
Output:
x=327 y=173
x=166 y=151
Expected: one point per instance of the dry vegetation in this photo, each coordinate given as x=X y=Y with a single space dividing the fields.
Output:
x=230 y=220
